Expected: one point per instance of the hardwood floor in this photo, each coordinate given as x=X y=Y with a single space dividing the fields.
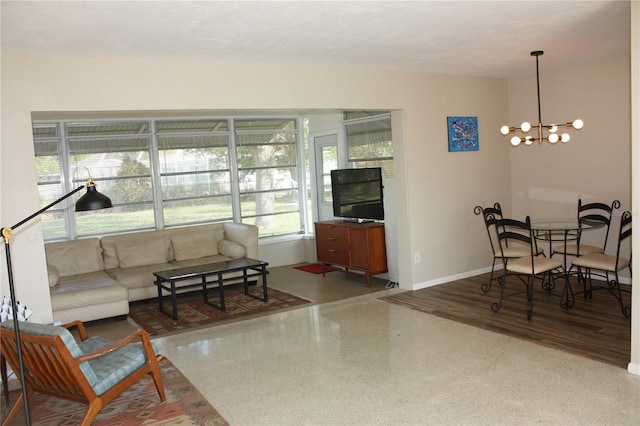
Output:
x=593 y=328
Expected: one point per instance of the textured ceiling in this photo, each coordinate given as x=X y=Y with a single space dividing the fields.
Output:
x=483 y=38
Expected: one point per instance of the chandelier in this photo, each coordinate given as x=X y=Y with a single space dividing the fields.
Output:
x=552 y=135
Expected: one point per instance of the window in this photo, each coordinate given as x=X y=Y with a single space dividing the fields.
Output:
x=369 y=142
x=195 y=174
x=170 y=172
x=268 y=174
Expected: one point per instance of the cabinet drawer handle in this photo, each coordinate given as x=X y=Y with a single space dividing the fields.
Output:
x=331 y=251
x=331 y=238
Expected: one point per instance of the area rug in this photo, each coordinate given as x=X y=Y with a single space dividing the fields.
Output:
x=193 y=312
x=138 y=405
x=314 y=268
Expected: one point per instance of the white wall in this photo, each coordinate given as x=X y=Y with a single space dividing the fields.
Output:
x=435 y=190
x=46 y=84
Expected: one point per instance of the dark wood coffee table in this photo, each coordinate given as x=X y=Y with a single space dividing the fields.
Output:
x=210 y=274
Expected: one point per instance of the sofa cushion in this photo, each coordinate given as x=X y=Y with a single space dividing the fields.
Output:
x=75 y=257
x=231 y=249
x=94 y=288
x=140 y=276
x=194 y=245
x=142 y=252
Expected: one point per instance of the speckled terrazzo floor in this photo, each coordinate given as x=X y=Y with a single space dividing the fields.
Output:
x=363 y=362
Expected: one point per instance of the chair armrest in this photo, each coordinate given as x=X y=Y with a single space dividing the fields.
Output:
x=141 y=334
x=78 y=325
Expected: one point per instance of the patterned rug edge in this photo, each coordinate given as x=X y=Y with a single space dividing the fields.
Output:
x=284 y=301
x=139 y=404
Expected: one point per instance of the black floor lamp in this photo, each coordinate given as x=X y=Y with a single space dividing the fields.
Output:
x=91 y=200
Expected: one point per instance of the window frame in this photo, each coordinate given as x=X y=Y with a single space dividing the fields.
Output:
x=67 y=180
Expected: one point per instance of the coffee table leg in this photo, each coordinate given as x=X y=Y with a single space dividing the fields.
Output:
x=221 y=291
x=264 y=283
x=160 y=300
x=174 y=302
x=205 y=295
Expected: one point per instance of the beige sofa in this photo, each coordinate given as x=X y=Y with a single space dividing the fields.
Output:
x=96 y=278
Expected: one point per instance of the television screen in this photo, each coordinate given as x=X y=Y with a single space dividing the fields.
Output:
x=357 y=194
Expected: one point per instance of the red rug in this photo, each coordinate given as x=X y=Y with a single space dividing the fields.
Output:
x=138 y=405
x=193 y=312
x=314 y=268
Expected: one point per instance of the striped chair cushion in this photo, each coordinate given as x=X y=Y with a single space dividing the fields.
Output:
x=102 y=373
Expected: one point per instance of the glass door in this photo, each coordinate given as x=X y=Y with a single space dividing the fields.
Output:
x=326 y=159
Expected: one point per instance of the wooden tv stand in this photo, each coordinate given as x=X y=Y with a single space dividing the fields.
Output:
x=353 y=248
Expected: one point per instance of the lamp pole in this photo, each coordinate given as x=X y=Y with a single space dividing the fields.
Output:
x=6 y=235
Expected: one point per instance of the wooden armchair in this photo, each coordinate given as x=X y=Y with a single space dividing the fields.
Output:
x=93 y=371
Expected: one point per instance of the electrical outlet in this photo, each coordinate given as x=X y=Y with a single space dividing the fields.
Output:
x=416 y=257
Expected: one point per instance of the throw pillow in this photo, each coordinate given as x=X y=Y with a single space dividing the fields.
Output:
x=231 y=249
x=132 y=253
x=54 y=275
x=194 y=246
x=75 y=257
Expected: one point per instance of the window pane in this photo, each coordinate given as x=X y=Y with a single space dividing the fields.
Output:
x=369 y=140
x=46 y=142
x=53 y=226
x=123 y=176
x=351 y=115
x=199 y=210
x=116 y=155
x=192 y=126
x=268 y=175
x=194 y=171
x=115 y=220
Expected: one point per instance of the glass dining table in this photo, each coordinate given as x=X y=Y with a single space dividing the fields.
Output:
x=562 y=230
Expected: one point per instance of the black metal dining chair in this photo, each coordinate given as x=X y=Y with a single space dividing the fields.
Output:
x=598 y=213
x=514 y=233
x=607 y=264
x=490 y=216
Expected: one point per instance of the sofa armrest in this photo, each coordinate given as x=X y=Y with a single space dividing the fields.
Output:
x=243 y=234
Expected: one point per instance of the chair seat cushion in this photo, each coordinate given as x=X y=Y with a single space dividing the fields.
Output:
x=540 y=264
x=572 y=249
x=602 y=262
x=112 y=368
x=515 y=251
x=92 y=344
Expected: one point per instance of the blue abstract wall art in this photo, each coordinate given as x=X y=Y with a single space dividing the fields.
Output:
x=463 y=134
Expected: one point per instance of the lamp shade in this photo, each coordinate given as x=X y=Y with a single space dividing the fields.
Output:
x=93 y=200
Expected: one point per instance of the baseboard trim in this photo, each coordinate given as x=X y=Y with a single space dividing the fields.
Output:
x=449 y=278
x=634 y=369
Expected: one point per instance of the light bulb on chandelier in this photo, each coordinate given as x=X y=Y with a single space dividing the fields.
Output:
x=552 y=129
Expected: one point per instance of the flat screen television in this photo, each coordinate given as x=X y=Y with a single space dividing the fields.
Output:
x=357 y=194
